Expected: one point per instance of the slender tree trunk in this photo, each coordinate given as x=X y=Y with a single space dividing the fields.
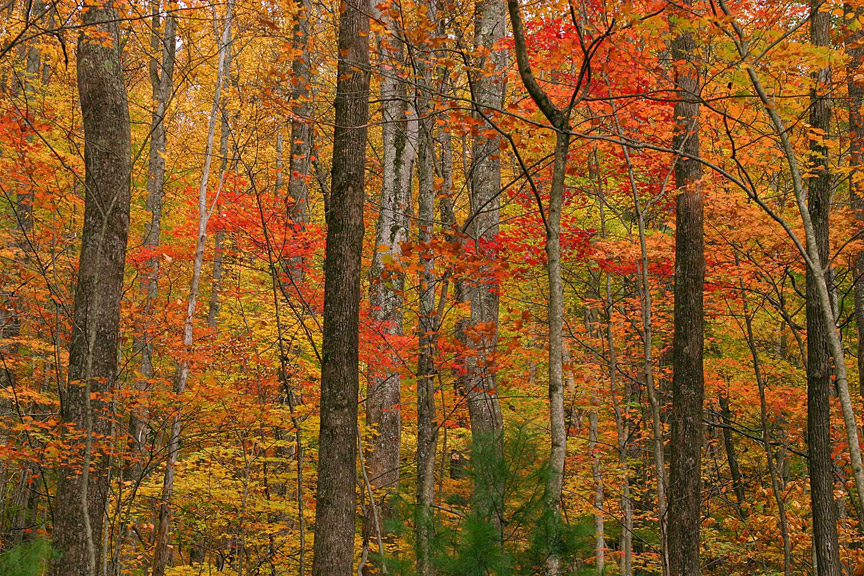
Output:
x=731 y=456
x=383 y=397
x=82 y=490
x=162 y=552
x=161 y=82
x=337 y=452
x=776 y=487
x=688 y=384
x=300 y=147
x=427 y=427
x=481 y=386
x=854 y=69
x=818 y=356
x=219 y=238
x=597 y=477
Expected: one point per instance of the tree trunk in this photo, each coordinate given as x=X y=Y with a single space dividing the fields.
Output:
x=731 y=457
x=337 y=452
x=161 y=82
x=854 y=68
x=300 y=147
x=818 y=356
x=427 y=427
x=488 y=86
x=688 y=384
x=219 y=237
x=82 y=490
x=162 y=552
x=383 y=397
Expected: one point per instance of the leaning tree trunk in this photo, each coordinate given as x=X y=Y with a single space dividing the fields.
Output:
x=82 y=490
x=162 y=551
x=688 y=383
x=337 y=452
x=383 y=396
x=819 y=371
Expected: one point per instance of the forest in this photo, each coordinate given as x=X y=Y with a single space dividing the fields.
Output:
x=431 y=287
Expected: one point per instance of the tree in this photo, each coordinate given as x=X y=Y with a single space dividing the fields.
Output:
x=161 y=555
x=86 y=401
x=386 y=276
x=688 y=380
x=819 y=443
x=337 y=440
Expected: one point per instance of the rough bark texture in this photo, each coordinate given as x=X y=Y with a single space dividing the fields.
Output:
x=337 y=452
x=300 y=147
x=731 y=456
x=688 y=384
x=819 y=369
x=427 y=428
x=83 y=488
x=481 y=384
x=855 y=67
x=383 y=397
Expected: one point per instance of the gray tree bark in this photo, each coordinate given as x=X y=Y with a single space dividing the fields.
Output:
x=383 y=397
x=161 y=81
x=481 y=383
x=82 y=489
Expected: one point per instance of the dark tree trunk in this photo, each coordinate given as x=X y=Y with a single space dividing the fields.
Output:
x=83 y=488
x=731 y=457
x=855 y=49
x=688 y=384
x=819 y=368
x=337 y=452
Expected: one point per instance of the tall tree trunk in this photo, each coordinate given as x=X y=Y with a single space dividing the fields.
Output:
x=688 y=384
x=383 y=397
x=488 y=87
x=300 y=147
x=337 y=452
x=82 y=490
x=161 y=82
x=818 y=356
x=646 y=308
x=559 y=119
x=427 y=430
x=855 y=67
x=219 y=237
x=816 y=265
x=161 y=555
